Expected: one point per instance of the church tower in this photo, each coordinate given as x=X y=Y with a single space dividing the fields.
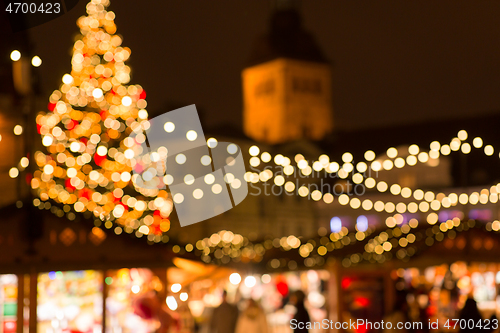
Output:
x=287 y=85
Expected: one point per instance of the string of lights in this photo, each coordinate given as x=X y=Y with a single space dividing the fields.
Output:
x=399 y=243
x=429 y=200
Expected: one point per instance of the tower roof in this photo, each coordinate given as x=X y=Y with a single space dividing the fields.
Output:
x=286 y=38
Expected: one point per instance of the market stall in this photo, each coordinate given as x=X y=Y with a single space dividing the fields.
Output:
x=70 y=302
x=440 y=292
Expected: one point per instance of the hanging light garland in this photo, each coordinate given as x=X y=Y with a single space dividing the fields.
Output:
x=429 y=200
x=399 y=243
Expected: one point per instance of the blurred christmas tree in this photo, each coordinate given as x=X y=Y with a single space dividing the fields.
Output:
x=88 y=163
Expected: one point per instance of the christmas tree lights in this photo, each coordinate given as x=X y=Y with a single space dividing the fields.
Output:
x=88 y=165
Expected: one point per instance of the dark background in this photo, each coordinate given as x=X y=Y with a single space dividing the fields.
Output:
x=395 y=62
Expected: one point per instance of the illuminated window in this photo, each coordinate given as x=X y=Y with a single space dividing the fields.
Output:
x=362 y=223
x=70 y=299
x=335 y=224
x=129 y=293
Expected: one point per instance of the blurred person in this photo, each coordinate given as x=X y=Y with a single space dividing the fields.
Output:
x=224 y=317
x=252 y=320
x=186 y=319
x=149 y=306
x=399 y=314
x=301 y=316
x=417 y=311
x=468 y=312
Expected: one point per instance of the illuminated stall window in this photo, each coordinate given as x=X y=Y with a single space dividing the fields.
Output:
x=274 y=291
x=128 y=302
x=8 y=303
x=70 y=302
x=362 y=223
x=481 y=214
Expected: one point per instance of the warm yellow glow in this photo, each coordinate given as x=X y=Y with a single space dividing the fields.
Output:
x=466 y=148
x=357 y=178
x=355 y=203
x=406 y=192
x=265 y=157
x=18 y=130
x=316 y=195
x=367 y=204
x=279 y=180
x=191 y=135
x=432 y=218
x=399 y=162
x=328 y=198
x=169 y=127
x=369 y=155
x=334 y=167
x=24 y=162
x=392 y=152
x=235 y=278
x=289 y=186
x=254 y=151
x=395 y=189
x=361 y=167
x=435 y=145
x=455 y=144
x=445 y=150
x=343 y=199
x=413 y=149
x=423 y=157
x=379 y=206
x=67 y=79
x=15 y=55
x=274 y=110
x=389 y=207
x=462 y=135
x=303 y=191
x=212 y=142
x=370 y=182
x=97 y=93
x=127 y=101
x=36 y=61
x=418 y=194
x=176 y=287
x=382 y=186
x=477 y=142
x=411 y=160
x=376 y=166
x=387 y=165
x=488 y=150
x=347 y=157
x=13 y=172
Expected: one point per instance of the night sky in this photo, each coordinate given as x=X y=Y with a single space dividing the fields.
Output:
x=394 y=61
